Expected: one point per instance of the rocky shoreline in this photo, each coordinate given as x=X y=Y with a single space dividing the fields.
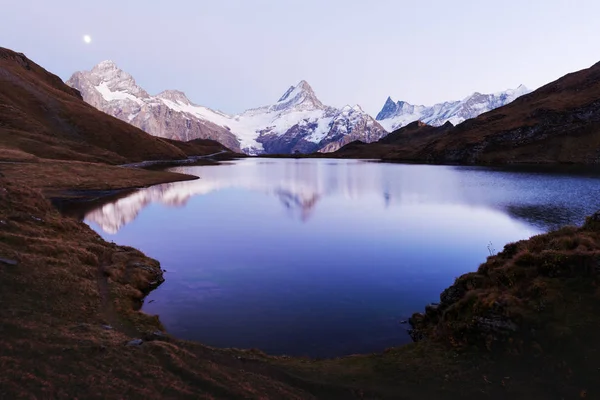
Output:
x=514 y=298
x=512 y=303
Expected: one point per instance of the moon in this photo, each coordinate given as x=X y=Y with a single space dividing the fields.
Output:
x=87 y=39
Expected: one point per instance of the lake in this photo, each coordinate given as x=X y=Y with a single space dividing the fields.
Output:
x=325 y=257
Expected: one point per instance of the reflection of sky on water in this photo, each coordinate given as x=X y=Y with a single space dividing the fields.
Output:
x=324 y=257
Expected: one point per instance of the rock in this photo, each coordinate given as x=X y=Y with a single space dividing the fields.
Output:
x=8 y=261
x=135 y=342
x=143 y=266
x=416 y=335
x=107 y=327
x=416 y=318
x=496 y=324
x=451 y=295
x=593 y=221
x=431 y=308
x=158 y=335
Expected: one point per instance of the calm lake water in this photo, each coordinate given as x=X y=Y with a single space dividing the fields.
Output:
x=325 y=257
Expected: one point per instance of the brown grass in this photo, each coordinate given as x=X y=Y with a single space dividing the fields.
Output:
x=57 y=177
x=69 y=283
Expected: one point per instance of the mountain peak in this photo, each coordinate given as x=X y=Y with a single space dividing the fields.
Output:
x=105 y=65
x=389 y=109
x=176 y=96
x=109 y=79
x=302 y=95
x=301 y=87
x=394 y=116
x=304 y=85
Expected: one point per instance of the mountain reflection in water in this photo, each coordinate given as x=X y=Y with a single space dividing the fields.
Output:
x=324 y=257
x=301 y=184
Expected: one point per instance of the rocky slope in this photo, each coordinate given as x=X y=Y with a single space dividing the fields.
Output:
x=395 y=115
x=297 y=122
x=115 y=92
x=40 y=116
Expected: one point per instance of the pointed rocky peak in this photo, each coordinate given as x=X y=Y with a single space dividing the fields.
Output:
x=301 y=88
x=104 y=66
x=286 y=94
x=109 y=71
x=106 y=77
x=348 y=109
x=175 y=96
x=390 y=108
x=522 y=89
x=299 y=96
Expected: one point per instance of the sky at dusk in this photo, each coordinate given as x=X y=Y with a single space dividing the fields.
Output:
x=237 y=54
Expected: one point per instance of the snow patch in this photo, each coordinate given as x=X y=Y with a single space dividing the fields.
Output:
x=109 y=95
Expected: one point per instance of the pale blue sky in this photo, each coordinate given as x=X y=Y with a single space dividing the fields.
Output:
x=236 y=54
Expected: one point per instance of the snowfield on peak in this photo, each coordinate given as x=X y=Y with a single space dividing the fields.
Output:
x=297 y=122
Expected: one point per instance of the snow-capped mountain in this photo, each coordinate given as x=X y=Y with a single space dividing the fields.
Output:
x=395 y=115
x=297 y=122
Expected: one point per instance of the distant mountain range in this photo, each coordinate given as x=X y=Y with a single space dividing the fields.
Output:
x=395 y=115
x=297 y=122
x=40 y=116
x=557 y=123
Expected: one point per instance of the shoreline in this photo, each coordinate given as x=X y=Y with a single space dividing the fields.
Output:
x=89 y=284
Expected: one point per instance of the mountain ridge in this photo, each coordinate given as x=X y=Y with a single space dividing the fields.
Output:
x=297 y=122
x=42 y=117
x=559 y=123
x=395 y=115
